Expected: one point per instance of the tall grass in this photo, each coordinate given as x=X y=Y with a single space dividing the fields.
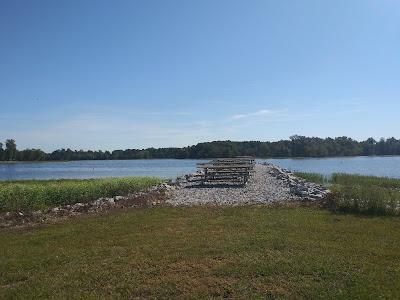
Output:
x=313 y=177
x=349 y=179
x=39 y=194
x=366 y=199
x=360 y=194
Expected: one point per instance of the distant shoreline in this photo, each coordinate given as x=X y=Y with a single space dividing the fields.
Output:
x=32 y=161
x=206 y=158
x=296 y=147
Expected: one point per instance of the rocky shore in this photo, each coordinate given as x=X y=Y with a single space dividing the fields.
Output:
x=299 y=187
x=267 y=184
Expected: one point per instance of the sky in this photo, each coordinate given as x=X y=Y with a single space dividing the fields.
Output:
x=134 y=74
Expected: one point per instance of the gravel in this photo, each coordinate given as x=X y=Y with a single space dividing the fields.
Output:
x=263 y=187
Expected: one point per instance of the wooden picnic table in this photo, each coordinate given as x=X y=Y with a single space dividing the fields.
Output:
x=223 y=172
x=238 y=160
x=231 y=169
x=249 y=158
x=233 y=162
x=246 y=157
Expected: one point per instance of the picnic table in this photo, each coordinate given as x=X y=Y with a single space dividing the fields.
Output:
x=238 y=159
x=227 y=170
x=235 y=161
x=251 y=159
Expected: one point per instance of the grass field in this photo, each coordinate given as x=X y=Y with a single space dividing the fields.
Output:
x=39 y=194
x=361 y=194
x=199 y=252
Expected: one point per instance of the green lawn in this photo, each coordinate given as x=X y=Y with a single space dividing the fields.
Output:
x=243 y=252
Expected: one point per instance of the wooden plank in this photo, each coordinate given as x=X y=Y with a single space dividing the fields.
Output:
x=224 y=166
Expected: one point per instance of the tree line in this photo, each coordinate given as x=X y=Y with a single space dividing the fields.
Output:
x=296 y=146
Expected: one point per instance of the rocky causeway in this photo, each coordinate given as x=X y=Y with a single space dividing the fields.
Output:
x=267 y=184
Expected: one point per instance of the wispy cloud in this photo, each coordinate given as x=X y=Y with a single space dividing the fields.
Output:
x=261 y=112
x=118 y=129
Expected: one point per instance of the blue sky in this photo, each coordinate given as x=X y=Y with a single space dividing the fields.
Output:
x=135 y=74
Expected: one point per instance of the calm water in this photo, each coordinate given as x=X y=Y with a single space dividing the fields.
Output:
x=386 y=166
x=170 y=168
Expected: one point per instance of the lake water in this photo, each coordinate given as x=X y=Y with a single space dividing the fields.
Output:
x=388 y=166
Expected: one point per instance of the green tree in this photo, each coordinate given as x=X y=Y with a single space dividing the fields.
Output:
x=11 y=149
x=2 y=154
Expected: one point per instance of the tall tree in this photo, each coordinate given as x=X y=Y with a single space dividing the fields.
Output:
x=296 y=146
x=1 y=152
x=11 y=149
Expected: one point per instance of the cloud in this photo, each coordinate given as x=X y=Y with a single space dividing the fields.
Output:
x=119 y=129
x=261 y=112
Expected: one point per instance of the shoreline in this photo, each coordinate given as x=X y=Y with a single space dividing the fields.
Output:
x=268 y=185
x=207 y=158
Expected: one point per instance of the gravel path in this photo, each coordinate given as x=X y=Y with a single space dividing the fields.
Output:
x=262 y=188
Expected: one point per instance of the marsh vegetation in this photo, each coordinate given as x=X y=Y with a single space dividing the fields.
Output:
x=30 y=195
x=360 y=194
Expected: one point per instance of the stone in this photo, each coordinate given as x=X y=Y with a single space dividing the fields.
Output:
x=97 y=202
x=78 y=206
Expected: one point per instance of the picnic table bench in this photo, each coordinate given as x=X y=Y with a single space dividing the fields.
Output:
x=236 y=160
x=250 y=159
x=226 y=170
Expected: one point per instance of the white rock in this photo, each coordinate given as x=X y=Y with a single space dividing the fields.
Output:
x=98 y=202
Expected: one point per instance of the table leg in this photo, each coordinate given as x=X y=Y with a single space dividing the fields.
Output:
x=205 y=176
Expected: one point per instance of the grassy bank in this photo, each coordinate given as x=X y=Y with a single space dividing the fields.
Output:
x=198 y=252
x=361 y=194
x=39 y=194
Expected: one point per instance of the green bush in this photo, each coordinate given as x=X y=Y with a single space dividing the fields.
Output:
x=39 y=194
